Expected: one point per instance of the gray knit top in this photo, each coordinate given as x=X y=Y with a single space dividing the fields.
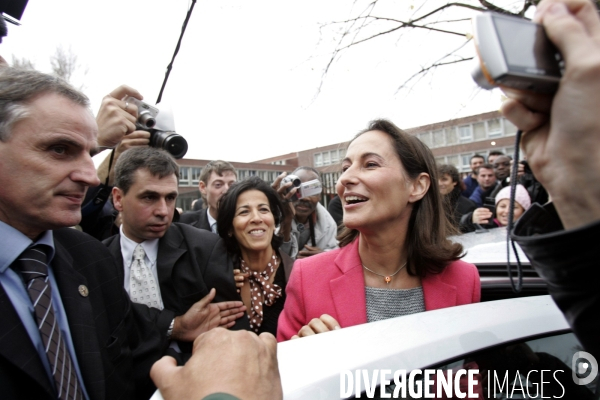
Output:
x=390 y=303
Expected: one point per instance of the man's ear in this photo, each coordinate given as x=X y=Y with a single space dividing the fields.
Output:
x=420 y=186
x=202 y=187
x=117 y=195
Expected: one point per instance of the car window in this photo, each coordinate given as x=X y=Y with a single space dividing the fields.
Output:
x=528 y=369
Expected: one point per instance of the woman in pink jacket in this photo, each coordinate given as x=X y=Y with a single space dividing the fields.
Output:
x=394 y=257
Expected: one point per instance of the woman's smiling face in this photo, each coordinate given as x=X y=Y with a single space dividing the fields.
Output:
x=254 y=223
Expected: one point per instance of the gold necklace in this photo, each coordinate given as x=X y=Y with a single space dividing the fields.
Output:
x=386 y=278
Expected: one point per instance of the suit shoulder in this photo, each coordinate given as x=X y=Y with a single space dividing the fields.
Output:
x=69 y=238
x=189 y=231
x=190 y=217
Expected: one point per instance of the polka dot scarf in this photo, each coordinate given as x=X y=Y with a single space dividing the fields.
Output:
x=261 y=291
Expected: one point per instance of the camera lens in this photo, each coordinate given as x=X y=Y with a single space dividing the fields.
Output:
x=172 y=142
x=146 y=120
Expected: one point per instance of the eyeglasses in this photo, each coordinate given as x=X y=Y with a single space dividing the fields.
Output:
x=504 y=164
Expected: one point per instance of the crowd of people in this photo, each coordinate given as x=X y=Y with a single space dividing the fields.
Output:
x=92 y=315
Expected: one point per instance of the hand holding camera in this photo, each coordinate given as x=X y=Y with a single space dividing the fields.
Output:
x=114 y=119
x=161 y=136
x=562 y=134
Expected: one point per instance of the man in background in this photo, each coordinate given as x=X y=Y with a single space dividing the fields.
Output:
x=216 y=178
x=471 y=180
x=313 y=229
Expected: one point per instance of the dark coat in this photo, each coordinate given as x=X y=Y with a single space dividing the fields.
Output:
x=198 y=219
x=190 y=262
x=115 y=343
x=568 y=262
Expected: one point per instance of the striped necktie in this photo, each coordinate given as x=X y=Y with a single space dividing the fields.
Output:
x=32 y=266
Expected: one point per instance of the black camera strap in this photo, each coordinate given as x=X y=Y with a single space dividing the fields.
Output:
x=511 y=212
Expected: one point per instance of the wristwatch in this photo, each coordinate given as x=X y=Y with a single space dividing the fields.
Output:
x=170 y=330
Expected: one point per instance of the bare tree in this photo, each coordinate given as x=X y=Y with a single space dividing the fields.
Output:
x=64 y=63
x=22 y=63
x=367 y=26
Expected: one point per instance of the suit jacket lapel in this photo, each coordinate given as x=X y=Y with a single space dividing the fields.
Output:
x=437 y=293
x=114 y=246
x=81 y=324
x=169 y=251
x=16 y=347
x=348 y=290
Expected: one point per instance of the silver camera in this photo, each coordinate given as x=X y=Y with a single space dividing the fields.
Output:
x=305 y=189
x=162 y=137
x=146 y=113
x=515 y=53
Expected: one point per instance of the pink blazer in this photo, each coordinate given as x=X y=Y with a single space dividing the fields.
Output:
x=333 y=283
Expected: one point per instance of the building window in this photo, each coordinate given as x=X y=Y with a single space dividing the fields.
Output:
x=334 y=157
x=453 y=160
x=465 y=133
x=342 y=154
x=494 y=127
x=318 y=160
x=184 y=176
x=466 y=161
x=438 y=138
x=479 y=131
x=426 y=138
x=196 y=171
x=451 y=136
x=326 y=158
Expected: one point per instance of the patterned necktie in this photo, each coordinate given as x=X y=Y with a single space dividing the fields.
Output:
x=32 y=265
x=143 y=288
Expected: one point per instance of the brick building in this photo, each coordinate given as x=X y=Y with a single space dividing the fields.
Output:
x=452 y=142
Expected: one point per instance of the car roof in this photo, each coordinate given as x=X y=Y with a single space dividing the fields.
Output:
x=310 y=367
x=488 y=247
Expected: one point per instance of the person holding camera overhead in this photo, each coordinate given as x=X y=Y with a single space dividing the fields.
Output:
x=394 y=257
x=313 y=228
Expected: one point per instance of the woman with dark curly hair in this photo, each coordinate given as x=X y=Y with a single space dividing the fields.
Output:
x=249 y=213
x=394 y=257
x=450 y=189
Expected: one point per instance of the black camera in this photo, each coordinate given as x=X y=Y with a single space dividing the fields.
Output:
x=515 y=53
x=168 y=140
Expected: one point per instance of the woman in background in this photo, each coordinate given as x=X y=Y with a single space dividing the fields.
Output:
x=450 y=189
x=248 y=214
x=484 y=218
x=394 y=257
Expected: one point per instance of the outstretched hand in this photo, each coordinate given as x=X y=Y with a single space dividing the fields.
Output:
x=238 y=363
x=204 y=316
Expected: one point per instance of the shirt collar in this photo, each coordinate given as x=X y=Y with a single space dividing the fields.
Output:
x=128 y=246
x=211 y=220
x=14 y=242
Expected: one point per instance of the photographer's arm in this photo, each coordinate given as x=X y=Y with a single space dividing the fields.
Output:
x=133 y=139
x=562 y=140
x=562 y=135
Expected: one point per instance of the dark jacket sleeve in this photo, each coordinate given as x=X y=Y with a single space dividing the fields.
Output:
x=568 y=262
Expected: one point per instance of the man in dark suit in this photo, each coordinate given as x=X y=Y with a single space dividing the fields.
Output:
x=184 y=262
x=46 y=135
x=216 y=178
x=61 y=299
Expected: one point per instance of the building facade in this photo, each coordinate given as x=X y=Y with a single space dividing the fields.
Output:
x=452 y=142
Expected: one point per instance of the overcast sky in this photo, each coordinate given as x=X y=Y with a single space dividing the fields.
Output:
x=244 y=85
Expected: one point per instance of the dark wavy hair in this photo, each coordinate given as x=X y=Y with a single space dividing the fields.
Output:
x=227 y=206
x=428 y=249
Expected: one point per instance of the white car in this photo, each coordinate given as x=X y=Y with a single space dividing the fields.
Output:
x=503 y=340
